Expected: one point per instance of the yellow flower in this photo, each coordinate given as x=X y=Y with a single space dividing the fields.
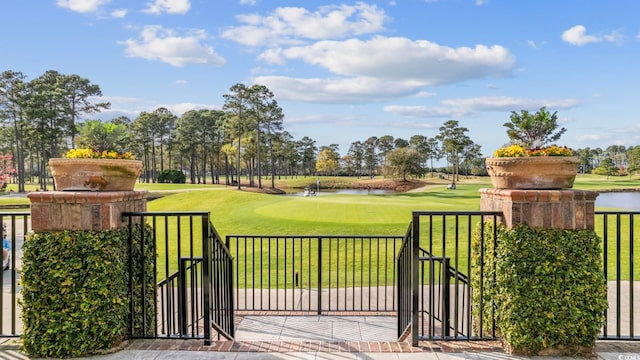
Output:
x=87 y=153
x=519 y=151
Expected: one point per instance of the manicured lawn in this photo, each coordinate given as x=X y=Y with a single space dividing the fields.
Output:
x=245 y=212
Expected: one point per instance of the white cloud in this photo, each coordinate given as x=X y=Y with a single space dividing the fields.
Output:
x=119 y=13
x=337 y=90
x=536 y=45
x=291 y=25
x=158 y=7
x=399 y=59
x=454 y=108
x=614 y=37
x=248 y=2
x=382 y=68
x=501 y=103
x=577 y=36
x=481 y=2
x=81 y=6
x=158 y=43
x=132 y=107
x=425 y=111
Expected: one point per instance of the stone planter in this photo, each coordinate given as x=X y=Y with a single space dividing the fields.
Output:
x=95 y=174
x=534 y=172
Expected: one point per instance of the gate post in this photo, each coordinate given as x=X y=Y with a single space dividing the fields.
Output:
x=415 y=278
x=56 y=217
x=320 y=275
x=446 y=294
x=559 y=221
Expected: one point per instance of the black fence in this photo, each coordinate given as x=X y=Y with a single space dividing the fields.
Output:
x=327 y=273
x=315 y=273
x=191 y=292
x=442 y=293
x=620 y=232
x=16 y=225
x=444 y=296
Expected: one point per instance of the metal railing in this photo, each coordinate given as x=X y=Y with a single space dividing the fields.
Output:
x=443 y=305
x=315 y=273
x=191 y=274
x=442 y=295
x=404 y=264
x=17 y=225
x=620 y=233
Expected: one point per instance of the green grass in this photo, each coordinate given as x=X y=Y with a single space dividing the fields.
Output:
x=244 y=212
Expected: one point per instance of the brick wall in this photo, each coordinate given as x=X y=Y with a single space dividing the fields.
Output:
x=83 y=210
x=551 y=209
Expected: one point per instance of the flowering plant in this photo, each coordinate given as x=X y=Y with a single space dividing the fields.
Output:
x=519 y=151
x=529 y=133
x=87 y=153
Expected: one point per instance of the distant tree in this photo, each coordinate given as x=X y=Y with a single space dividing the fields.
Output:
x=12 y=114
x=307 y=152
x=454 y=141
x=370 y=158
x=237 y=102
x=356 y=151
x=385 y=144
x=633 y=159
x=44 y=109
x=419 y=143
x=586 y=160
x=328 y=158
x=403 y=162
x=6 y=170
x=470 y=156
x=78 y=95
x=400 y=143
x=606 y=167
x=433 y=152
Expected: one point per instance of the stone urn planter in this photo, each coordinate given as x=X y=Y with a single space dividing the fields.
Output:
x=532 y=172
x=95 y=174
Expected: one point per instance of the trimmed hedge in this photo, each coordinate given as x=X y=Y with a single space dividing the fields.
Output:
x=172 y=176
x=75 y=287
x=74 y=292
x=550 y=292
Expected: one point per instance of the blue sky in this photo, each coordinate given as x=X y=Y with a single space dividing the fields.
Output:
x=345 y=71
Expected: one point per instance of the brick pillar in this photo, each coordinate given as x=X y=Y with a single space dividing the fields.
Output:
x=550 y=209
x=83 y=210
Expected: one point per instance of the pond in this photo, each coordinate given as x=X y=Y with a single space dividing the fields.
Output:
x=346 y=192
x=619 y=200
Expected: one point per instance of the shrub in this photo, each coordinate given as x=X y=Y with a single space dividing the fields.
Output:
x=549 y=292
x=172 y=176
x=74 y=292
x=77 y=291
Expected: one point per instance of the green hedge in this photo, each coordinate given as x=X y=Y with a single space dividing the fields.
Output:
x=75 y=287
x=74 y=292
x=549 y=293
x=172 y=176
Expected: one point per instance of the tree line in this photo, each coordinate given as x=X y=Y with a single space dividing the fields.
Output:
x=41 y=119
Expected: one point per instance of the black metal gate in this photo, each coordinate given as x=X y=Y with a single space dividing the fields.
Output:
x=191 y=277
x=438 y=306
x=320 y=274
x=433 y=273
